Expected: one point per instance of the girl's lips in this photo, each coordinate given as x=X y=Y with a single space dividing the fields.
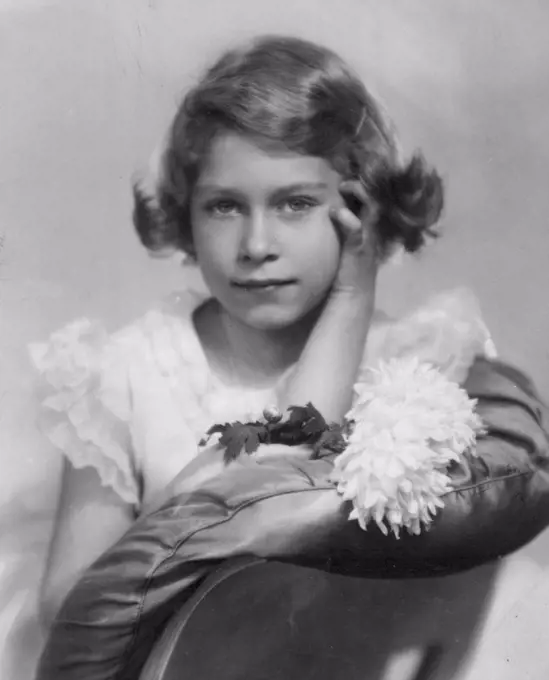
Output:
x=262 y=284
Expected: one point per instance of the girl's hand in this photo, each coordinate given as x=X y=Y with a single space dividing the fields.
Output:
x=359 y=256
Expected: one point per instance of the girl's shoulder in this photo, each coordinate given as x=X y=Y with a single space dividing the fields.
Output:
x=163 y=335
x=447 y=330
x=90 y=382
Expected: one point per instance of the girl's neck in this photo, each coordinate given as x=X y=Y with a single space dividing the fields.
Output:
x=245 y=356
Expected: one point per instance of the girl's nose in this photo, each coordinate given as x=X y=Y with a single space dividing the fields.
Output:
x=257 y=244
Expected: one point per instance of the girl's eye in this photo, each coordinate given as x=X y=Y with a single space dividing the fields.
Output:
x=299 y=204
x=223 y=208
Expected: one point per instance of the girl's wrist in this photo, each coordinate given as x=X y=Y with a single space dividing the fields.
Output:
x=326 y=371
x=351 y=299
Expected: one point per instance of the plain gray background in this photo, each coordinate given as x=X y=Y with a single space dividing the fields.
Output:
x=87 y=88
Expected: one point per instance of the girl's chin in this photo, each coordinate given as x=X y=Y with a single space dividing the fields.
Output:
x=273 y=317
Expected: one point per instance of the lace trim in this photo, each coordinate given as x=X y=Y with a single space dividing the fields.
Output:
x=86 y=408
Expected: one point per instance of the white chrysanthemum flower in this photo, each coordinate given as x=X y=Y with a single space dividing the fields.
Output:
x=408 y=424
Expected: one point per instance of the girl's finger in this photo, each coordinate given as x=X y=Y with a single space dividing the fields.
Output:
x=357 y=200
x=349 y=225
x=356 y=189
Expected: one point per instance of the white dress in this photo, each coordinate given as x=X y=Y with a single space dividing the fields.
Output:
x=138 y=402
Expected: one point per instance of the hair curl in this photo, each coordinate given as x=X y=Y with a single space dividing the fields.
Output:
x=290 y=92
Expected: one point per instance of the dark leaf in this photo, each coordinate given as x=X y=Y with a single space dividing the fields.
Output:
x=305 y=425
x=215 y=429
x=330 y=441
x=298 y=415
x=238 y=437
x=252 y=441
x=309 y=418
x=263 y=434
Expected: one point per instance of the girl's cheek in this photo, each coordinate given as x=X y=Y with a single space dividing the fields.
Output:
x=216 y=254
x=322 y=257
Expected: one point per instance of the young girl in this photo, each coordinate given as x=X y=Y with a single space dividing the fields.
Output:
x=282 y=181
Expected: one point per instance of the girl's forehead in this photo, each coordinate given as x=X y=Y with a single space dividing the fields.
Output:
x=237 y=159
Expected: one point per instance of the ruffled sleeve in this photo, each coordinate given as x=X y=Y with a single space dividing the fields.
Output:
x=448 y=332
x=86 y=403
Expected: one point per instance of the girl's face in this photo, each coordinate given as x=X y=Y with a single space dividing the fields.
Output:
x=262 y=232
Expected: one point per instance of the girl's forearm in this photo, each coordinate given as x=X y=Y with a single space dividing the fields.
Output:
x=326 y=371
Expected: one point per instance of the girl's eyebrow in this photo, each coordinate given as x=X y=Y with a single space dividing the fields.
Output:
x=301 y=186
x=288 y=189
